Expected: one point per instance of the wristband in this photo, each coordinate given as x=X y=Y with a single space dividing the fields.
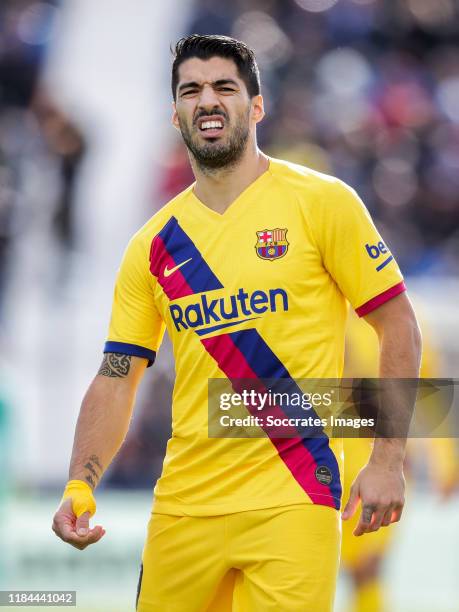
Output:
x=82 y=497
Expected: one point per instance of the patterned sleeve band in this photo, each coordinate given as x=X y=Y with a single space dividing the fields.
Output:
x=130 y=349
x=380 y=299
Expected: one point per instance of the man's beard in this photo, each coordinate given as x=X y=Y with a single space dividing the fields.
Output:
x=214 y=156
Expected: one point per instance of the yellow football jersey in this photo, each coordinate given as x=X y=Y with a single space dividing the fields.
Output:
x=257 y=292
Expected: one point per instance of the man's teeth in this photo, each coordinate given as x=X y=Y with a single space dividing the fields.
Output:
x=207 y=125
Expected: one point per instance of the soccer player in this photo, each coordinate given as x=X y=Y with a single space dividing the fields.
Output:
x=249 y=269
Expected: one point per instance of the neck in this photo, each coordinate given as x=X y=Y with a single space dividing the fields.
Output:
x=217 y=189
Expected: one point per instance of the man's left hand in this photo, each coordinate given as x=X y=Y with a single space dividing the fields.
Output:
x=381 y=491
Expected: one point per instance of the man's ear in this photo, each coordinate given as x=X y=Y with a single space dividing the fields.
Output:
x=258 y=109
x=175 y=120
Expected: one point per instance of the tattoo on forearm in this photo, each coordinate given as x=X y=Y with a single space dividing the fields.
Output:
x=115 y=365
x=95 y=460
x=90 y=467
x=90 y=480
x=93 y=475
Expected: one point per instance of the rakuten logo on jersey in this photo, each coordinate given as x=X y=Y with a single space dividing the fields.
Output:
x=227 y=311
x=376 y=250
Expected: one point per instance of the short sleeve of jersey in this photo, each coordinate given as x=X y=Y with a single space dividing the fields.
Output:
x=136 y=326
x=353 y=251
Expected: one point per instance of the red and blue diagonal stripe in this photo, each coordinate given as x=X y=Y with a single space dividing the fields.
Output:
x=245 y=354
x=170 y=248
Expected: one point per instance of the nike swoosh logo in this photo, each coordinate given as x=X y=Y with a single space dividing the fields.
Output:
x=168 y=272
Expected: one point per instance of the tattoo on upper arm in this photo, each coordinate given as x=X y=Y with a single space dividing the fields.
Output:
x=115 y=365
x=94 y=470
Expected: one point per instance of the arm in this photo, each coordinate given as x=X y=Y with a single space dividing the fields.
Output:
x=380 y=485
x=102 y=425
x=104 y=416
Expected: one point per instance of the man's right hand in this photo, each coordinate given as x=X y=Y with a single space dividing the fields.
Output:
x=73 y=530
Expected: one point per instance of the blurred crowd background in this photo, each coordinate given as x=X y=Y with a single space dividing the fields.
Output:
x=367 y=90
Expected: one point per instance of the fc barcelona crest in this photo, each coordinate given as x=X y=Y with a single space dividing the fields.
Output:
x=271 y=244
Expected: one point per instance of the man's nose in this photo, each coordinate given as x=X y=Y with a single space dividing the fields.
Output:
x=208 y=99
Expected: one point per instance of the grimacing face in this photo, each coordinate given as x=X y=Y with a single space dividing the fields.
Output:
x=214 y=111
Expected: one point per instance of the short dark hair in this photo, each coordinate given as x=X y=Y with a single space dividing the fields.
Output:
x=205 y=46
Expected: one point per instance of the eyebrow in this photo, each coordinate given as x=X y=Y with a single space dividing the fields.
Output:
x=217 y=83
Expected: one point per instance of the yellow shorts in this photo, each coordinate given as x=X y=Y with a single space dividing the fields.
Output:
x=281 y=559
